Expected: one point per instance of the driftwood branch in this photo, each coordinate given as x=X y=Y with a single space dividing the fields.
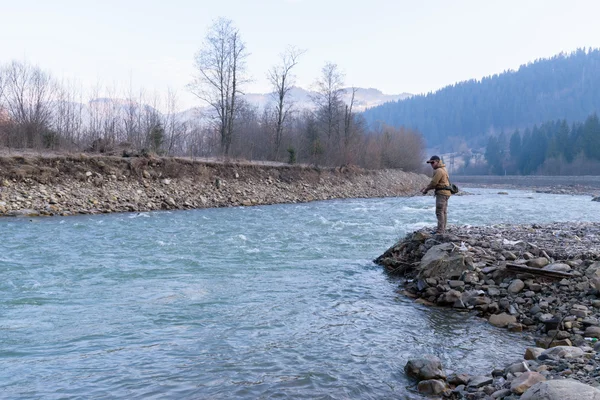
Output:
x=537 y=271
x=395 y=266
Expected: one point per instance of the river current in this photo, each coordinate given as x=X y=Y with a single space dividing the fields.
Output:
x=264 y=302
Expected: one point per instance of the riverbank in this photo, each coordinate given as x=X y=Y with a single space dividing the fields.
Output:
x=542 y=279
x=82 y=184
x=580 y=185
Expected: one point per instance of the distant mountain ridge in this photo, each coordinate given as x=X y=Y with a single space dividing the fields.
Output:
x=566 y=86
x=301 y=99
x=363 y=98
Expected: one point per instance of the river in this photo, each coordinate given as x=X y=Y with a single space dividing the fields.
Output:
x=278 y=301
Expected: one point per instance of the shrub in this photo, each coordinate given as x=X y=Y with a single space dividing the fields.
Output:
x=291 y=155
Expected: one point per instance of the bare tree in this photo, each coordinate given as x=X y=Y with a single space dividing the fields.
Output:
x=3 y=113
x=329 y=98
x=282 y=82
x=28 y=94
x=96 y=117
x=2 y=83
x=221 y=66
x=112 y=110
x=130 y=119
x=400 y=148
x=174 y=127
x=68 y=120
x=349 y=132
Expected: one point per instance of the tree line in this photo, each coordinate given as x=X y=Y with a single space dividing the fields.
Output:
x=39 y=112
x=566 y=86
x=553 y=148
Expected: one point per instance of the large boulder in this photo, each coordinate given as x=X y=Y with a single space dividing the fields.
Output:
x=561 y=389
x=440 y=262
x=593 y=271
x=428 y=367
x=502 y=320
x=564 y=352
x=525 y=381
x=532 y=353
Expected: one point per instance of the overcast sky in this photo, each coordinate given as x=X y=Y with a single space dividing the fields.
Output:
x=393 y=45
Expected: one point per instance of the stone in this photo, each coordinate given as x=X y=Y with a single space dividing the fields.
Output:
x=456 y=284
x=439 y=263
x=535 y=287
x=561 y=389
x=516 y=367
x=500 y=394
x=428 y=367
x=520 y=384
x=479 y=381
x=557 y=267
x=515 y=327
x=532 y=353
x=450 y=297
x=579 y=311
x=538 y=262
x=502 y=320
x=458 y=379
x=595 y=282
x=431 y=387
x=593 y=270
x=564 y=352
x=509 y=255
x=592 y=331
x=516 y=286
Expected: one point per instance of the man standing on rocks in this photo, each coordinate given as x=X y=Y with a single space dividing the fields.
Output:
x=440 y=183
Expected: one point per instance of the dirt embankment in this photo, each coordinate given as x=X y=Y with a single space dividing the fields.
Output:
x=81 y=184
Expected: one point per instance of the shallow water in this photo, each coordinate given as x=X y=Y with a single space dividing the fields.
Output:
x=261 y=302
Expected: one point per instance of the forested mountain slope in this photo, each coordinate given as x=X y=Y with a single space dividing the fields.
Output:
x=566 y=86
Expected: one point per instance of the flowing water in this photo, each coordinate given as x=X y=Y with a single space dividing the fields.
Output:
x=278 y=301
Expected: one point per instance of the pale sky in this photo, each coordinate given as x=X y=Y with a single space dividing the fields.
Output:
x=393 y=45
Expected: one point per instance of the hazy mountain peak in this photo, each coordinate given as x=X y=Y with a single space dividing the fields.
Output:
x=302 y=98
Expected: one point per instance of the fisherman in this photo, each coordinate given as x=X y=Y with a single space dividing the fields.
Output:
x=440 y=183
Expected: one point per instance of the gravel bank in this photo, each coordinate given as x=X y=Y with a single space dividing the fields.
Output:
x=67 y=185
x=584 y=185
x=539 y=279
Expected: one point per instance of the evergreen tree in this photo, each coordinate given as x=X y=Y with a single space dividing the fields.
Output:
x=493 y=155
x=591 y=137
x=515 y=146
x=566 y=86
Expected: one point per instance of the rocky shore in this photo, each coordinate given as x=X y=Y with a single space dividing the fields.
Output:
x=81 y=184
x=540 y=279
